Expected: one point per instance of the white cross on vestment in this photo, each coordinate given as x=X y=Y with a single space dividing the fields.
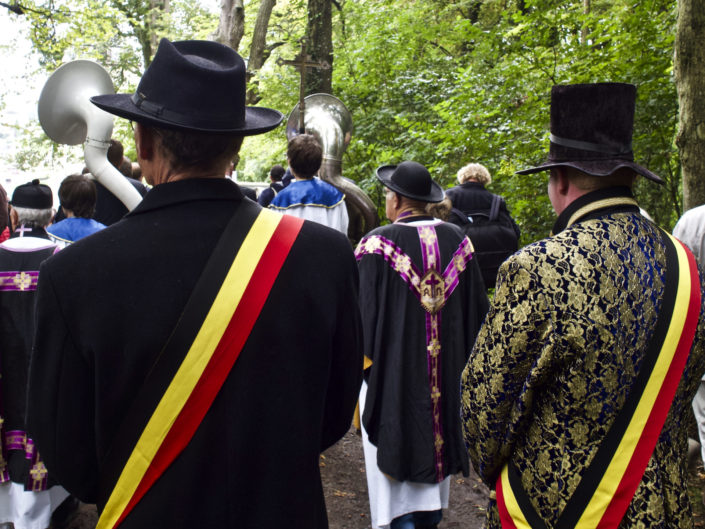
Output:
x=22 y=229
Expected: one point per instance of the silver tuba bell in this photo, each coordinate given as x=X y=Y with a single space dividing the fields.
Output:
x=329 y=120
x=68 y=117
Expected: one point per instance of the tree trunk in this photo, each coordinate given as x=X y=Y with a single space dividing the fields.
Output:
x=232 y=23
x=147 y=27
x=320 y=46
x=258 y=48
x=689 y=66
x=157 y=9
x=584 y=31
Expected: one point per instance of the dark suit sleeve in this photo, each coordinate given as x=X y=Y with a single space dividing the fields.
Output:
x=265 y=197
x=346 y=367
x=60 y=398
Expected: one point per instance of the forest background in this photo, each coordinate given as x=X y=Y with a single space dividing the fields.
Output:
x=441 y=82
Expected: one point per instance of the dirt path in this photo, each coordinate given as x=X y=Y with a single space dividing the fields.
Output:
x=345 y=488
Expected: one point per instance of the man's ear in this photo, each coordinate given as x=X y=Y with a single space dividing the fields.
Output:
x=396 y=201
x=14 y=219
x=144 y=141
x=562 y=181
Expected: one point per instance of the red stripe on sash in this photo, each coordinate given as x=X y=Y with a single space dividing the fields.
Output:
x=645 y=446
x=504 y=516
x=224 y=356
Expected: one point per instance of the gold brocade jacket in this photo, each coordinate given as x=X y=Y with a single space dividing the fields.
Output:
x=556 y=356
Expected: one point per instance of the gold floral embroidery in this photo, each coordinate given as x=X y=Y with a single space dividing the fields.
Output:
x=564 y=338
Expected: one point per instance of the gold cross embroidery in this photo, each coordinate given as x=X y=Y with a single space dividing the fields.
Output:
x=438 y=444
x=434 y=348
x=432 y=289
x=39 y=471
x=372 y=244
x=403 y=264
x=435 y=394
x=428 y=235
x=23 y=281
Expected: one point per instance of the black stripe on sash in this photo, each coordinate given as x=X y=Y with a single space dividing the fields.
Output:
x=597 y=468
x=527 y=509
x=169 y=359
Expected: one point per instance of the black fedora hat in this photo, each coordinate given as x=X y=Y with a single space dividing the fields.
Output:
x=193 y=85
x=412 y=180
x=591 y=129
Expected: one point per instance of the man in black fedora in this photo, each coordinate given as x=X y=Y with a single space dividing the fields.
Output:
x=422 y=300
x=577 y=392
x=179 y=397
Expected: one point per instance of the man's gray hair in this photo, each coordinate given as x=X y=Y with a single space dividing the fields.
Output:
x=34 y=218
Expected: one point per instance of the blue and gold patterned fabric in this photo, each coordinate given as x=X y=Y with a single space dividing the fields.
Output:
x=563 y=342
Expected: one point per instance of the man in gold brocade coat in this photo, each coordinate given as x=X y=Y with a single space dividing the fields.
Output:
x=577 y=391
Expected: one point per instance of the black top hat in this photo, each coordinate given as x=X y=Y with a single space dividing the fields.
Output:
x=591 y=129
x=196 y=86
x=32 y=195
x=412 y=180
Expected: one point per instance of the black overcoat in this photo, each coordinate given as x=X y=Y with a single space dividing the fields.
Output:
x=106 y=306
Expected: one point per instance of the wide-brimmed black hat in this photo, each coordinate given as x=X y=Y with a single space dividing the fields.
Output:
x=193 y=85
x=412 y=180
x=32 y=195
x=591 y=129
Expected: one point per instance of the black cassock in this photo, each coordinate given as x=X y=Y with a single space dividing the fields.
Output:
x=19 y=270
x=412 y=362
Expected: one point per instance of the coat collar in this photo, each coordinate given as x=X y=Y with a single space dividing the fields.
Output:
x=22 y=231
x=188 y=190
x=472 y=184
x=596 y=204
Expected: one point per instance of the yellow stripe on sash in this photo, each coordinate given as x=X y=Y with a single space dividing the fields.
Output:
x=193 y=365
x=615 y=471
x=510 y=502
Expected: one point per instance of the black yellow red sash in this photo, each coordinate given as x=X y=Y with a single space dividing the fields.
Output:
x=220 y=335
x=608 y=485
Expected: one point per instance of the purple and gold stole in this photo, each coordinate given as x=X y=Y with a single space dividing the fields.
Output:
x=432 y=288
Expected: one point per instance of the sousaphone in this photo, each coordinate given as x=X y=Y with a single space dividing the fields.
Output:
x=68 y=117
x=329 y=120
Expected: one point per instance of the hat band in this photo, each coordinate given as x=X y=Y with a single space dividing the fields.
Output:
x=158 y=111
x=593 y=147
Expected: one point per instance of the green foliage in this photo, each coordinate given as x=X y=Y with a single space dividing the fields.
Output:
x=465 y=81
x=442 y=82
x=116 y=34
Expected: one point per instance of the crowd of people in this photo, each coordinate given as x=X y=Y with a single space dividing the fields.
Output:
x=186 y=363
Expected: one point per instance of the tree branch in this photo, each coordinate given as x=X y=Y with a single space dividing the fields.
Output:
x=19 y=9
x=15 y=8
